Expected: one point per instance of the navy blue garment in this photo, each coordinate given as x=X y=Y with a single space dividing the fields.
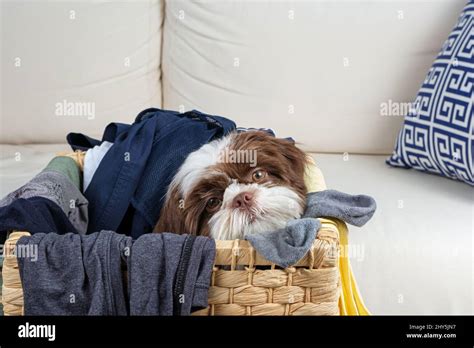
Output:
x=35 y=215
x=129 y=187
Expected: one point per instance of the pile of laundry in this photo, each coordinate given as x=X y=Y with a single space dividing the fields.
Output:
x=69 y=272
x=90 y=222
x=92 y=252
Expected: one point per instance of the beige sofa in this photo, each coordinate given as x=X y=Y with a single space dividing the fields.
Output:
x=323 y=72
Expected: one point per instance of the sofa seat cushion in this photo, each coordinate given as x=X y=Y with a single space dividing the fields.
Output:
x=415 y=255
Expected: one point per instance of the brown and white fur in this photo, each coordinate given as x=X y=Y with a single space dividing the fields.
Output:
x=240 y=184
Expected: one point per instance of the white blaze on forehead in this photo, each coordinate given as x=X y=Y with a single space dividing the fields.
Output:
x=198 y=162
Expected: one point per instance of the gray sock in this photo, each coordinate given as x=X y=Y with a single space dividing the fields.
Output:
x=288 y=245
x=353 y=209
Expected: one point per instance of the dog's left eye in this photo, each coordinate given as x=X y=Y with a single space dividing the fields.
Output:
x=213 y=203
x=259 y=175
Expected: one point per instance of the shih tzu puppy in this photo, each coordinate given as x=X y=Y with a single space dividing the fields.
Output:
x=243 y=183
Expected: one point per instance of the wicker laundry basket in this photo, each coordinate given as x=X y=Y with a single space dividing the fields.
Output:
x=243 y=282
x=311 y=287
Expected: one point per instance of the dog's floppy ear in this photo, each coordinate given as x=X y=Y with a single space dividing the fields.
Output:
x=296 y=160
x=296 y=157
x=171 y=215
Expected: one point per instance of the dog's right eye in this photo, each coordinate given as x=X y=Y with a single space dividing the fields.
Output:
x=258 y=175
x=213 y=203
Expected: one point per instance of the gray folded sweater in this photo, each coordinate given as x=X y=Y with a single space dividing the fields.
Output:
x=73 y=274
x=288 y=245
x=170 y=274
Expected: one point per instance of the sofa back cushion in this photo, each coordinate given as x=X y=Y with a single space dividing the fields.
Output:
x=76 y=66
x=334 y=75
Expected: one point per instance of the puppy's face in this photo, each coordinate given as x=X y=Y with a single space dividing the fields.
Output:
x=244 y=183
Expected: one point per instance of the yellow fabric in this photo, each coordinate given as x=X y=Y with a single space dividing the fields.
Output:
x=313 y=177
x=350 y=301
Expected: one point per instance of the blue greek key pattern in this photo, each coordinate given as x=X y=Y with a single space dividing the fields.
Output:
x=438 y=133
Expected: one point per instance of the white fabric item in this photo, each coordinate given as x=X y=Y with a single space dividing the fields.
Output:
x=319 y=71
x=76 y=66
x=413 y=260
x=92 y=159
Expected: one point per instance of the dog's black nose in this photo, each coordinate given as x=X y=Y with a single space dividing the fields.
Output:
x=243 y=200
